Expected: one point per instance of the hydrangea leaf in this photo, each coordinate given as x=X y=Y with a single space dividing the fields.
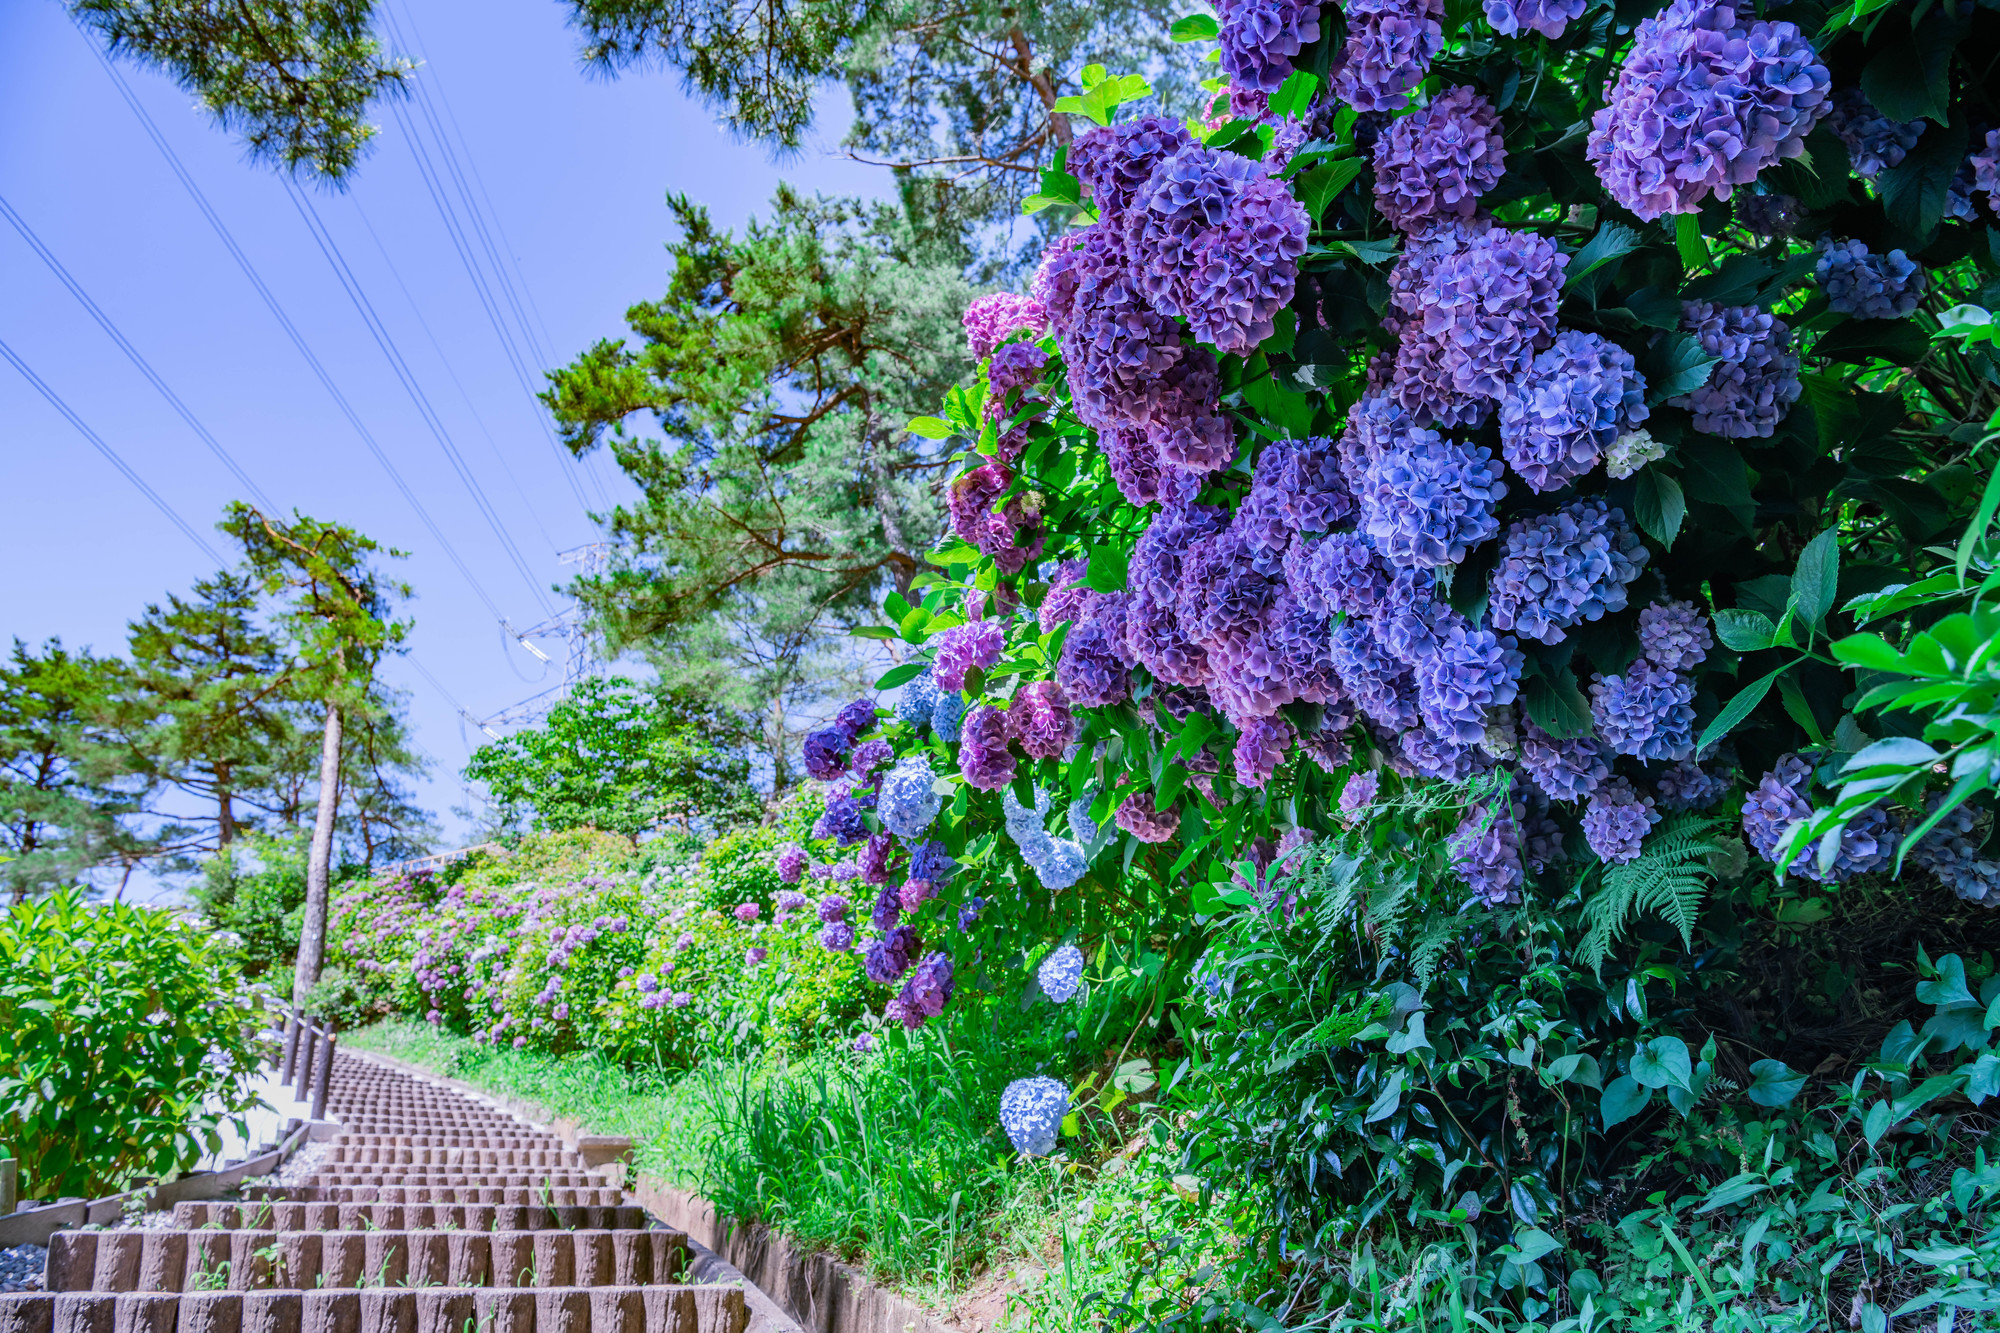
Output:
x=1659 y=506
x=1194 y=28
x=1816 y=581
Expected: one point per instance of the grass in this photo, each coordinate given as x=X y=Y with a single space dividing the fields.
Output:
x=894 y=1161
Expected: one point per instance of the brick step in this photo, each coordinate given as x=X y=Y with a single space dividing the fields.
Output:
x=568 y=1196
x=654 y=1309
x=501 y=1139
x=254 y=1260
x=349 y=1176
x=405 y=1217
x=371 y=1155
x=459 y=1120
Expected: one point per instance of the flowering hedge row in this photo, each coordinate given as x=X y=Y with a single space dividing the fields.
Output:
x=1509 y=405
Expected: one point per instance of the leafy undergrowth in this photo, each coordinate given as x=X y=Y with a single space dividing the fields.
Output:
x=893 y=1160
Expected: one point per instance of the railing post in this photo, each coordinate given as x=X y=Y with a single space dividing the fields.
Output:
x=290 y=1050
x=325 y=1077
x=302 y=1080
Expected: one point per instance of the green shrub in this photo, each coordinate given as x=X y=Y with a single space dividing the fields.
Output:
x=126 y=1041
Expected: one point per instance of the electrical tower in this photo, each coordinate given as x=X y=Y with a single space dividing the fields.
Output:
x=582 y=650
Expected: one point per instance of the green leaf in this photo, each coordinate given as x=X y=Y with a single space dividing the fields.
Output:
x=1663 y=1062
x=1910 y=79
x=1533 y=1244
x=1624 y=1099
x=1676 y=366
x=1613 y=240
x=1387 y=1100
x=1816 y=581
x=895 y=676
x=1318 y=188
x=1915 y=190
x=1947 y=990
x=1773 y=1083
x=1660 y=506
x=1745 y=631
x=1688 y=240
x=1576 y=1069
x=1295 y=94
x=1739 y=708
x=1556 y=705
x=931 y=428
x=1194 y=28
x=1877 y=1121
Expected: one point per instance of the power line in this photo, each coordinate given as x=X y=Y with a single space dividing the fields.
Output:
x=291 y=331
x=83 y=429
x=387 y=343
x=104 y=322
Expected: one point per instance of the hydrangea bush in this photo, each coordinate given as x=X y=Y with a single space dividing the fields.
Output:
x=1485 y=422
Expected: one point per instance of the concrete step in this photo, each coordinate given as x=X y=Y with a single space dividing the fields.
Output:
x=568 y=1196
x=622 y=1309
x=450 y=1139
x=406 y=1217
x=254 y=1260
x=434 y=1177
x=346 y=1155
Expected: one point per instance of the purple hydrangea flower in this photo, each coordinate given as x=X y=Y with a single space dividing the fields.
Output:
x=857 y=717
x=836 y=937
x=1874 y=142
x=1260 y=39
x=792 y=862
x=682 y=999
x=834 y=907
x=969 y=913
x=930 y=862
x=1688 y=786
x=1437 y=162
x=1674 y=635
x=1430 y=499
x=1093 y=670
x=1617 y=821
x=825 y=753
x=755 y=955
x=1138 y=816
x=1337 y=574
x=1260 y=747
x=1757 y=380
x=1297 y=489
x=1471 y=671
x=1487 y=306
x=1007 y=534
x=1112 y=162
x=929 y=988
x=889 y=957
x=1039 y=719
x=1359 y=793
x=1380 y=685
x=841 y=820
x=1227 y=592
x=1702 y=104
x=1647 y=713
x=1867 y=285
x=1559 y=569
x=1565 y=770
x=1066 y=596
x=747 y=912
x=1486 y=853
x=1547 y=17
x=989 y=319
x=1390 y=46
x=873 y=860
x=978 y=643
x=983 y=757
x=1581 y=395
x=1426 y=754
x=1985 y=166
x=1541 y=839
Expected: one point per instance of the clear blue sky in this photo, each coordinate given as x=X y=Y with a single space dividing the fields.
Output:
x=576 y=168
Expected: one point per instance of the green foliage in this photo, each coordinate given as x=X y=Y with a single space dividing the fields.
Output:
x=126 y=1040
x=293 y=77
x=255 y=889
x=622 y=757
x=1669 y=879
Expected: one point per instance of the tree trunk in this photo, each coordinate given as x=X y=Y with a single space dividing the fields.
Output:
x=225 y=807
x=319 y=865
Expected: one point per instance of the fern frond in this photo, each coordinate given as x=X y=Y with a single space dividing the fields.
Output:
x=1428 y=950
x=1669 y=879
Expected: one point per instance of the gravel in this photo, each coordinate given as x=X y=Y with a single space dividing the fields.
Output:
x=21 y=1267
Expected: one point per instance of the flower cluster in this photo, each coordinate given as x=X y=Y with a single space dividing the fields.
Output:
x=1436 y=162
x=1560 y=569
x=1390 y=46
x=1547 y=17
x=1031 y=1111
x=1261 y=38
x=1580 y=396
x=1874 y=142
x=990 y=319
x=1061 y=974
x=1702 y=104
x=1865 y=285
x=1756 y=380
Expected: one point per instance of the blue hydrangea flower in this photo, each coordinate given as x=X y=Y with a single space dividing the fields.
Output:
x=1951 y=852
x=1559 y=569
x=1874 y=142
x=1430 y=499
x=1757 y=379
x=1565 y=770
x=1061 y=974
x=1647 y=713
x=918 y=700
x=1865 y=285
x=1560 y=418
x=906 y=802
x=1617 y=821
x=1547 y=17
x=1486 y=853
x=1688 y=786
x=1032 y=1111
x=947 y=716
x=1674 y=635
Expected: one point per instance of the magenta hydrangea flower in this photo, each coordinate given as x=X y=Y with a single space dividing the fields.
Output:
x=1566 y=769
x=1039 y=719
x=1226 y=594
x=977 y=643
x=1186 y=428
x=747 y=912
x=971 y=501
x=1390 y=46
x=1648 y=712
x=1138 y=816
x=873 y=859
x=1486 y=853
x=1674 y=636
x=1559 y=569
x=1066 y=596
x=1617 y=821
x=1547 y=17
x=1579 y=397
x=1261 y=39
x=983 y=756
x=792 y=861
x=1260 y=748
x=989 y=319
x=1702 y=104
x=1866 y=285
x=1436 y=162
x=1359 y=793
x=1757 y=379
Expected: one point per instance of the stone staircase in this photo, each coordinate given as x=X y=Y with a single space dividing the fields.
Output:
x=429 y=1213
